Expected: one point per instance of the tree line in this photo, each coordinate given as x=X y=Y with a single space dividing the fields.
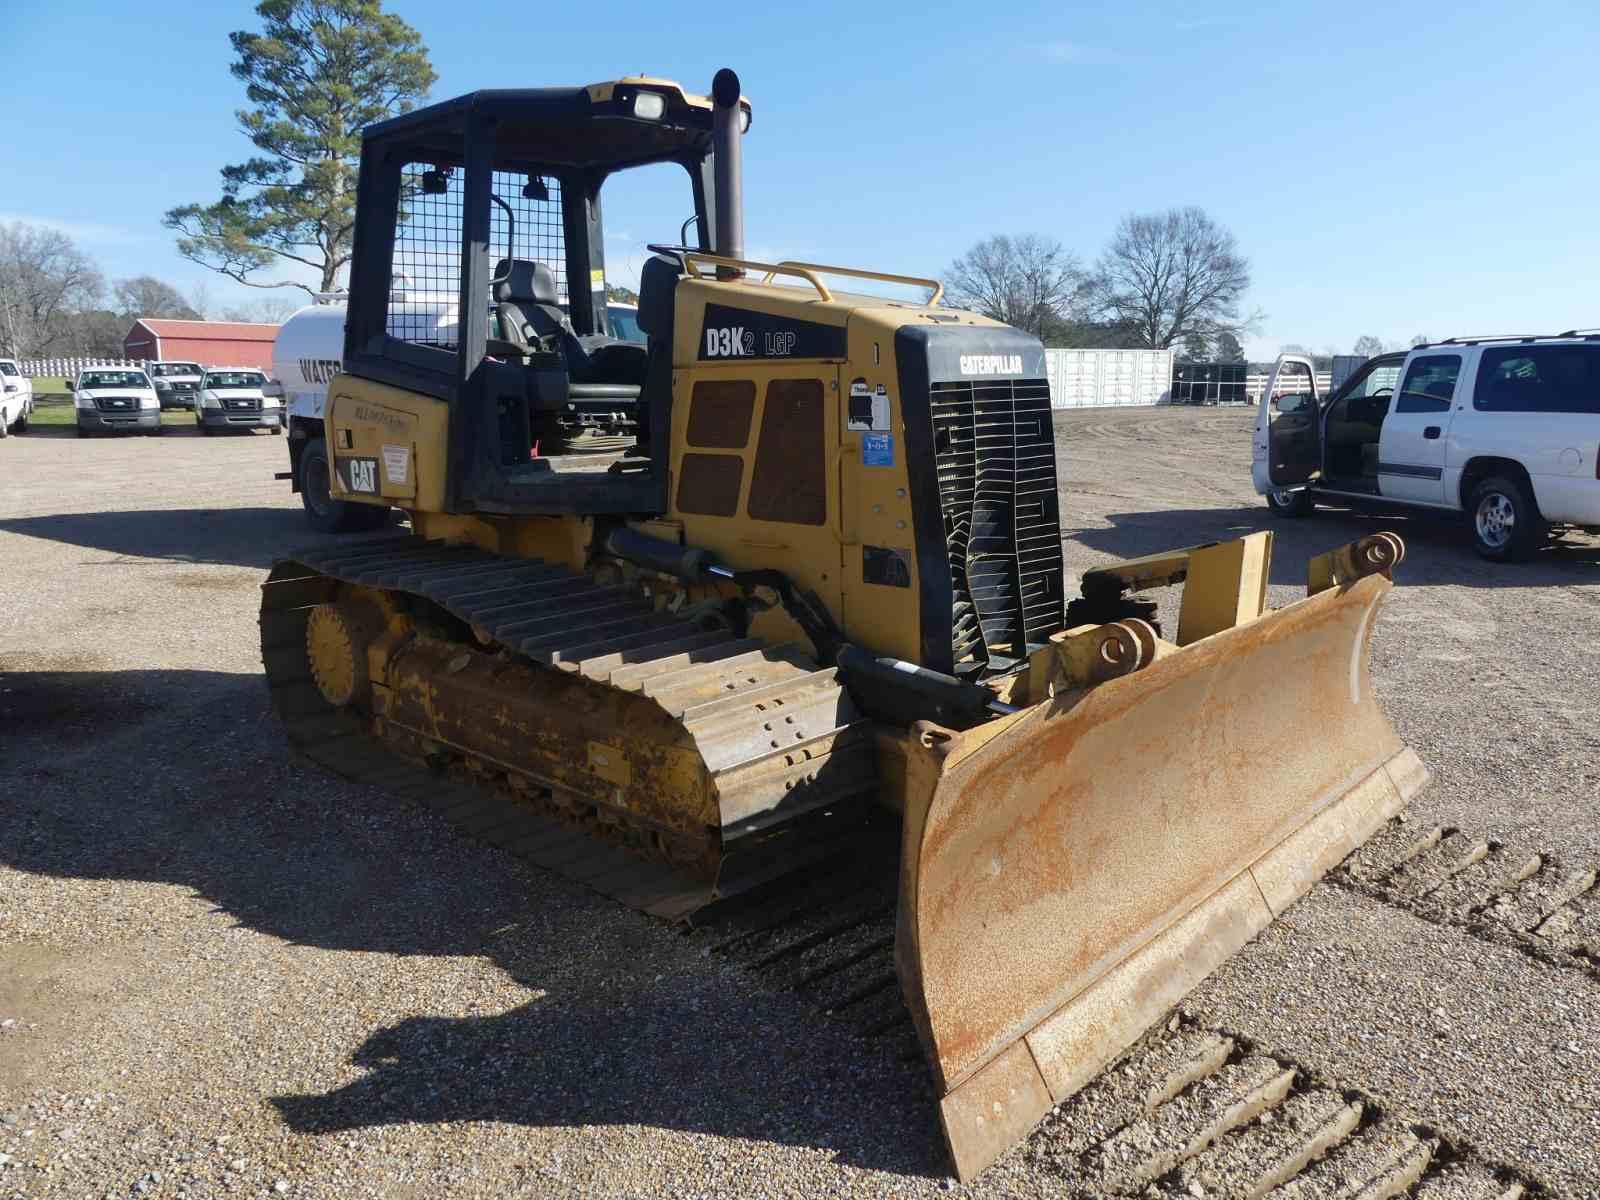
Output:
x=55 y=301
x=1172 y=279
x=1366 y=346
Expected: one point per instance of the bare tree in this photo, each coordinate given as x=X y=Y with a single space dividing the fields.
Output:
x=1170 y=274
x=1229 y=349
x=1368 y=346
x=269 y=310
x=1029 y=281
x=147 y=296
x=43 y=278
x=202 y=299
x=1421 y=339
x=1321 y=360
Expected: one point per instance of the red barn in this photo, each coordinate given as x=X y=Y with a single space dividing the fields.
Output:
x=209 y=343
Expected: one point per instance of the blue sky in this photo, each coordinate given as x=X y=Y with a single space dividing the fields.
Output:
x=1393 y=168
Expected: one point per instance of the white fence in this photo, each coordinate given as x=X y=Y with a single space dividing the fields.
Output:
x=1108 y=378
x=36 y=368
x=1254 y=385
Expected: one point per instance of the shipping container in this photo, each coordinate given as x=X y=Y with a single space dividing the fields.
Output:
x=1108 y=378
x=1209 y=383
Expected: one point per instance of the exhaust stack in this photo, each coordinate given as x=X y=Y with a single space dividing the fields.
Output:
x=727 y=170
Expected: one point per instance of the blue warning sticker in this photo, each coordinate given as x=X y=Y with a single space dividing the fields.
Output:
x=877 y=449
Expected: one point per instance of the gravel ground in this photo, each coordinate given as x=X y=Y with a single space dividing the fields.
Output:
x=222 y=974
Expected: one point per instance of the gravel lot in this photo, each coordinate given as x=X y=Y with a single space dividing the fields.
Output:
x=223 y=974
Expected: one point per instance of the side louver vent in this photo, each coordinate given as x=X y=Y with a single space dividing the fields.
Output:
x=994 y=450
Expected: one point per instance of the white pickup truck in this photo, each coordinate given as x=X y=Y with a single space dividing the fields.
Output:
x=16 y=398
x=1504 y=430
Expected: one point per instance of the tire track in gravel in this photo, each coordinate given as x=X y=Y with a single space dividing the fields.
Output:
x=1511 y=893
x=1191 y=1111
x=1196 y=1111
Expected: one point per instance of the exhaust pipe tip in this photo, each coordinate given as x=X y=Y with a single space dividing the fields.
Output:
x=725 y=89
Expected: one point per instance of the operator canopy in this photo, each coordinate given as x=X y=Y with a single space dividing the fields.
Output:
x=625 y=123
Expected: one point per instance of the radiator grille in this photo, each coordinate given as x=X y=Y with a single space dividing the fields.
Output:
x=994 y=450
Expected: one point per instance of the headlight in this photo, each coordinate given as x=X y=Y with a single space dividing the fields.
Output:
x=207 y=400
x=271 y=402
x=163 y=386
x=648 y=106
x=149 y=401
x=83 y=402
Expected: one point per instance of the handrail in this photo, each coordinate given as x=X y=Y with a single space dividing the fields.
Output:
x=859 y=273
x=692 y=256
x=808 y=272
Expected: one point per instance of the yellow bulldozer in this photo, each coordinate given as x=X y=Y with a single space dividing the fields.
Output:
x=683 y=612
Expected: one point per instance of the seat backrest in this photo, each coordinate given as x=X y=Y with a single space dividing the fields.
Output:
x=658 y=282
x=658 y=286
x=525 y=299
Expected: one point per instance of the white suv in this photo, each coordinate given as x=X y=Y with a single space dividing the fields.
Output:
x=1503 y=429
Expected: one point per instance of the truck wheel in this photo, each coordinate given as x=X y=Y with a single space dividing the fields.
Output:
x=22 y=422
x=1505 y=521
x=1291 y=503
x=5 y=426
x=326 y=514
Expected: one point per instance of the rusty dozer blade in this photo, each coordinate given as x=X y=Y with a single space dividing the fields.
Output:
x=1071 y=871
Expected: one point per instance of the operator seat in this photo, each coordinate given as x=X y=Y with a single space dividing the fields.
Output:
x=530 y=318
x=533 y=321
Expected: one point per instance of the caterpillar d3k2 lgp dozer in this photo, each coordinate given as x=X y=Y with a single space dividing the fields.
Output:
x=685 y=612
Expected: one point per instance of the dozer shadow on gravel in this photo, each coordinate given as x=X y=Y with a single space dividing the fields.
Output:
x=689 y=613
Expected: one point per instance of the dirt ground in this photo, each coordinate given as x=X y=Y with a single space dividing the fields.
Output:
x=223 y=974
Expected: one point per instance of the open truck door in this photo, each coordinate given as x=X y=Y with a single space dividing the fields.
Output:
x=1287 y=452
